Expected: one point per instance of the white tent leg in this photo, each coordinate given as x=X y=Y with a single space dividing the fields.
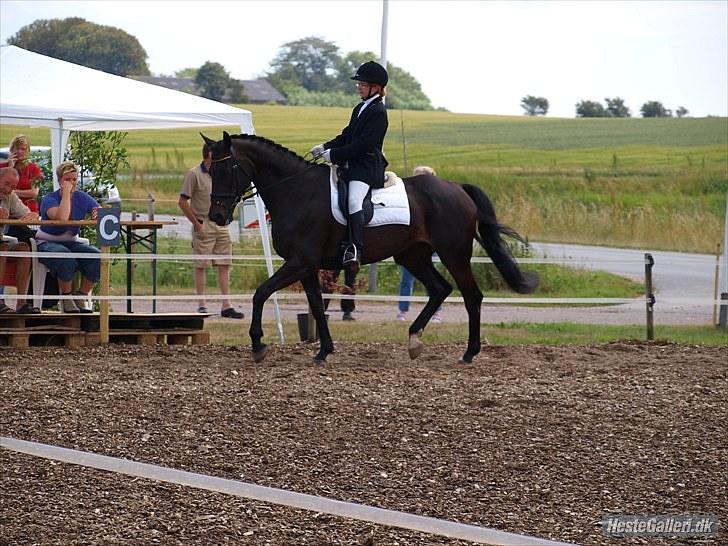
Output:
x=59 y=141
x=263 y=226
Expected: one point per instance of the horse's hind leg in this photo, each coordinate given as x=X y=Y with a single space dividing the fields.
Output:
x=312 y=286
x=438 y=289
x=460 y=270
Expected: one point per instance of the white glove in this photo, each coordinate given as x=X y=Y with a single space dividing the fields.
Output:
x=327 y=155
x=317 y=150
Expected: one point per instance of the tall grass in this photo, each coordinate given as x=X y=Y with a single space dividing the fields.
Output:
x=645 y=183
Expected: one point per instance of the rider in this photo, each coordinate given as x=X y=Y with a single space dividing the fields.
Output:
x=358 y=149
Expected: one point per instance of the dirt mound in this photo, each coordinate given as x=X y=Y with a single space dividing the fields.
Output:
x=536 y=439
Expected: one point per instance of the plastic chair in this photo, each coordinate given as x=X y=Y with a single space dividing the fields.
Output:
x=39 y=273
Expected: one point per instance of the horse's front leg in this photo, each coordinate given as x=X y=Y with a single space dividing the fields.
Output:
x=286 y=275
x=312 y=286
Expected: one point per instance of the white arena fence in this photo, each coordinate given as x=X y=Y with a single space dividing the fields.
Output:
x=684 y=261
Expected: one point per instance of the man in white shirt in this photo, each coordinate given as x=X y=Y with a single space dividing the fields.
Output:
x=11 y=207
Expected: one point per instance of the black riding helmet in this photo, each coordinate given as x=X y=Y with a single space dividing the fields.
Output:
x=372 y=72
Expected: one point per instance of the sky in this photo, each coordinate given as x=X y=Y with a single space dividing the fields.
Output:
x=469 y=56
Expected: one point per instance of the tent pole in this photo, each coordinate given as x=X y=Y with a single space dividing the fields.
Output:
x=263 y=227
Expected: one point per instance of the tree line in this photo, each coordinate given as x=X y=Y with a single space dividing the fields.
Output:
x=613 y=108
x=309 y=71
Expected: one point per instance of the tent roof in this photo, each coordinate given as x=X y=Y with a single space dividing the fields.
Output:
x=41 y=91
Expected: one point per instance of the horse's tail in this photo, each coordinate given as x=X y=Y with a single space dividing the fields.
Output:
x=490 y=239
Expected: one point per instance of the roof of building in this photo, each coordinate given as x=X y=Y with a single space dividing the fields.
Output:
x=257 y=91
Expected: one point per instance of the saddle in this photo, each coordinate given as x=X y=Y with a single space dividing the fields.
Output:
x=342 y=187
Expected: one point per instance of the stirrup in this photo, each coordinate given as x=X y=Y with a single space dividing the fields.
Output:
x=351 y=255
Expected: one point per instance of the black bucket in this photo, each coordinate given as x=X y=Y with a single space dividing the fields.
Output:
x=303 y=326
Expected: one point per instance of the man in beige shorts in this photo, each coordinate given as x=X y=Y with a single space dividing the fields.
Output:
x=207 y=237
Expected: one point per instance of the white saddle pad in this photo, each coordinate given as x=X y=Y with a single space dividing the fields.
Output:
x=391 y=205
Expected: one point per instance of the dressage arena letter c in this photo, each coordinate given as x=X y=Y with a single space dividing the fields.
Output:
x=108 y=231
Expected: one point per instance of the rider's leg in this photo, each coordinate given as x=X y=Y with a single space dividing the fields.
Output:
x=357 y=192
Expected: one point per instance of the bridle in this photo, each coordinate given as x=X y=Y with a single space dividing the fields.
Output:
x=237 y=169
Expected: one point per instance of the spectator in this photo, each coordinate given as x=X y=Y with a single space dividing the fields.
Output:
x=207 y=237
x=69 y=203
x=30 y=173
x=12 y=207
x=407 y=280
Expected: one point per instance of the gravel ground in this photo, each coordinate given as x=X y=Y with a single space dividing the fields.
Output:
x=534 y=439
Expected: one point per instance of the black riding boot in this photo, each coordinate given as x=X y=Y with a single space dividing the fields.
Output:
x=352 y=254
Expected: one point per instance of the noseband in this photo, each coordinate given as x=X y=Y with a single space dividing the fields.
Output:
x=239 y=187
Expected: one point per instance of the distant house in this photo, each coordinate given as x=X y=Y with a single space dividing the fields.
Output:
x=258 y=91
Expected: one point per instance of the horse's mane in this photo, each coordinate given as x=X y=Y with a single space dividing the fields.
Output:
x=272 y=144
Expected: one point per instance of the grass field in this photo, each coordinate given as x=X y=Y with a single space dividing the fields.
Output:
x=499 y=334
x=647 y=183
x=175 y=277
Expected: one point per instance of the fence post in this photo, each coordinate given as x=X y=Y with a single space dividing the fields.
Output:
x=150 y=207
x=723 y=320
x=240 y=221
x=715 y=285
x=372 y=278
x=650 y=303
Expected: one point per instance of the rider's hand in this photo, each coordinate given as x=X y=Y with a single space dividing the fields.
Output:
x=327 y=155
x=317 y=151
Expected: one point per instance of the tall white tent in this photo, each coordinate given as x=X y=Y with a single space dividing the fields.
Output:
x=40 y=91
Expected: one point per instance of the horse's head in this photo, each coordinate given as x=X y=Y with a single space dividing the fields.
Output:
x=232 y=176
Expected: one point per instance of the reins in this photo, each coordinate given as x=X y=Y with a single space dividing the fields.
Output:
x=254 y=190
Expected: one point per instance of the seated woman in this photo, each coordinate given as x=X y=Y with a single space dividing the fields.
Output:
x=68 y=203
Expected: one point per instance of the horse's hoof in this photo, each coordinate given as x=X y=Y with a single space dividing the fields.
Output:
x=465 y=360
x=319 y=361
x=260 y=354
x=415 y=346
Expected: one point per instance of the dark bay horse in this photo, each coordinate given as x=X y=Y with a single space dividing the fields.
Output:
x=445 y=217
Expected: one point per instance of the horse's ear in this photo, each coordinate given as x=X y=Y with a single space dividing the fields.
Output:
x=210 y=143
x=226 y=139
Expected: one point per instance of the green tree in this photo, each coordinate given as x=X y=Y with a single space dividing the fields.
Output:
x=616 y=108
x=237 y=91
x=311 y=71
x=310 y=63
x=403 y=89
x=212 y=80
x=79 y=41
x=102 y=153
x=186 y=73
x=590 y=109
x=681 y=112
x=535 y=106
x=655 y=109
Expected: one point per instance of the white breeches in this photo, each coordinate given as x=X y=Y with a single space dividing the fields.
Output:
x=357 y=192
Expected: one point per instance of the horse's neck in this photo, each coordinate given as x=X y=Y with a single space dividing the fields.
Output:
x=273 y=171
